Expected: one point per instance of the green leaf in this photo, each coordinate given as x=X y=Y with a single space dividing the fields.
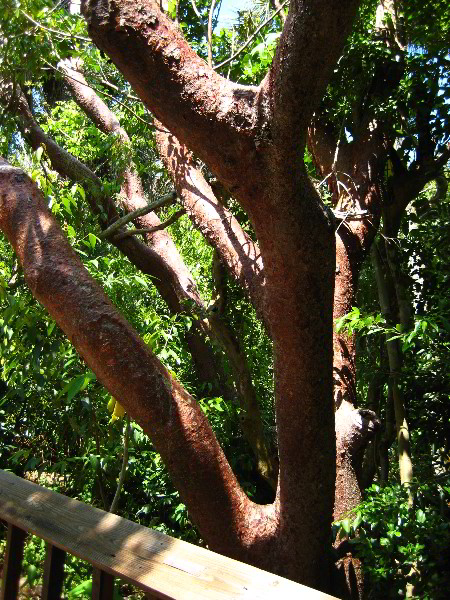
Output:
x=32 y=574
x=38 y=153
x=141 y=280
x=345 y=525
x=84 y=588
x=94 y=461
x=357 y=521
x=172 y=9
x=78 y=385
x=66 y=203
x=81 y=191
x=421 y=516
x=92 y=240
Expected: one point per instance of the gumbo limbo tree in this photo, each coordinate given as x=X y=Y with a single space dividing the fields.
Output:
x=299 y=269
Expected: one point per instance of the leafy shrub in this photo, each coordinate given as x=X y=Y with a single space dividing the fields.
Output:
x=401 y=545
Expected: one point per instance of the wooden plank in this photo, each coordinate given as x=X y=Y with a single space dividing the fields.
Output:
x=102 y=585
x=53 y=573
x=154 y=562
x=12 y=565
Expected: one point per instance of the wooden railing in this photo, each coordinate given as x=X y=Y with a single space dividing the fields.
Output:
x=161 y=566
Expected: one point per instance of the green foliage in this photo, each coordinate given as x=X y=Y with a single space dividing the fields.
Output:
x=354 y=322
x=398 y=86
x=398 y=544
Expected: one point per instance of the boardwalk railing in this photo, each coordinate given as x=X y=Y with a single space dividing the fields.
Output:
x=161 y=566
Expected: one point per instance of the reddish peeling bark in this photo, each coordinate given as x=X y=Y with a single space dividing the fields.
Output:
x=252 y=139
x=131 y=372
x=237 y=250
x=352 y=176
x=225 y=124
x=193 y=189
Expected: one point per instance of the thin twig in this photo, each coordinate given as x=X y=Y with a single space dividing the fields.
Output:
x=276 y=4
x=194 y=6
x=210 y=31
x=233 y=33
x=336 y=154
x=254 y=34
x=113 y=98
x=199 y=16
x=55 y=7
x=123 y=470
x=159 y=227
x=55 y=31
x=97 y=91
x=99 y=468
x=116 y=88
x=351 y=215
x=166 y=199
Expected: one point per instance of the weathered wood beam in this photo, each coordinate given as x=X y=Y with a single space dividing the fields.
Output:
x=154 y=562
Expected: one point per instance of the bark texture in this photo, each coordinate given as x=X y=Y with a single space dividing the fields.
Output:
x=129 y=370
x=197 y=198
x=252 y=139
x=351 y=171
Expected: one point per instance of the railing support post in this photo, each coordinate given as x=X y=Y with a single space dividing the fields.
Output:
x=53 y=573
x=13 y=563
x=102 y=585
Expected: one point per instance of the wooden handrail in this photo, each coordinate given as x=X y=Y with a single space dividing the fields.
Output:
x=158 y=564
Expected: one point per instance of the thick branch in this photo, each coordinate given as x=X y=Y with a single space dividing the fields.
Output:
x=162 y=242
x=16 y=103
x=311 y=42
x=204 y=110
x=129 y=370
x=406 y=186
x=237 y=250
x=172 y=287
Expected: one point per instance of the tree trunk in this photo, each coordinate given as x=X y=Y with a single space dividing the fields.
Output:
x=253 y=140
